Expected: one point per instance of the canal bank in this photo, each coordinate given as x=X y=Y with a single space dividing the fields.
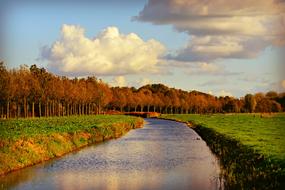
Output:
x=26 y=142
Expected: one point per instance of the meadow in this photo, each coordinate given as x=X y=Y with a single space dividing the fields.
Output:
x=25 y=142
x=251 y=147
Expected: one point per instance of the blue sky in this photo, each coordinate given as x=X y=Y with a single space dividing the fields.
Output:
x=237 y=65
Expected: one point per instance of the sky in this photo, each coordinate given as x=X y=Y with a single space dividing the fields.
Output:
x=216 y=46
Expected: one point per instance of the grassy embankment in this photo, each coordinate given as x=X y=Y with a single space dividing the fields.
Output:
x=250 y=147
x=25 y=142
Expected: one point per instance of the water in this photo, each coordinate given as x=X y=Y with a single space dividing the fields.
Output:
x=162 y=155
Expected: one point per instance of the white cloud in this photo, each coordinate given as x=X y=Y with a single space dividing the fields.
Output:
x=210 y=48
x=119 y=81
x=200 y=68
x=220 y=28
x=283 y=84
x=217 y=16
x=139 y=82
x=203 y=68
x=109 y=53
x=206 y=68
x=224 y=93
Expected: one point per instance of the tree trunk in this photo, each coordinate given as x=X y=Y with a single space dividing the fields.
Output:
x=2 y=111
x=67 y=109
x=58 y=113
x=89 y=109
x=62 y=109
x=46 y=109
x=33 y=109
x=8 y=109
x=40 y=109
x=79 y=109
x=50 y=109
x=53 y=108
x=82 y=109
x=28 y=109
x=18 y=110
x=72 y=109
x=25 y=107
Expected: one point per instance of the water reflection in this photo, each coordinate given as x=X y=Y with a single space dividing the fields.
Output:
x=162 y=155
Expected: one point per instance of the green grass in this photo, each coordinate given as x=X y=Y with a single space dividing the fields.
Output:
x=250 y=147
x=266 y=135
x=25 y=142
x=19 y=128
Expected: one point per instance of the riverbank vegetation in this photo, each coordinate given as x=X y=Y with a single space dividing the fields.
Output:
x=35 y=92
x=249 y=146
x=25 y=142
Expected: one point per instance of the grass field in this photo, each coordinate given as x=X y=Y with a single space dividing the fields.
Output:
x=266 y=134
x=25 y=142
x=250 y=146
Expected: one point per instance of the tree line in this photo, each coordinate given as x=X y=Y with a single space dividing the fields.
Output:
x=34 y=92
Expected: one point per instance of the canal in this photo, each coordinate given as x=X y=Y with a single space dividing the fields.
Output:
x=161 y=155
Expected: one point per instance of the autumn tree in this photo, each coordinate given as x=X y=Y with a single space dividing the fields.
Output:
x=4 y=89
x=31 y=92
x=250 y=103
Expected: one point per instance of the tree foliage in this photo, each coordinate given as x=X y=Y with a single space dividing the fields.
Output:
x=34 y=92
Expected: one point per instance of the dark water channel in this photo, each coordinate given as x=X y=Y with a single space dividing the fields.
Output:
x=162 y=155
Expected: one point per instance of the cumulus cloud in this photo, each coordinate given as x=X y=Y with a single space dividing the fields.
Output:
x=108 y=53
x=119 y=81
x=220 y=28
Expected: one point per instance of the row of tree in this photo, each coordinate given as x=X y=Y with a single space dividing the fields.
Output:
x=34 y=92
